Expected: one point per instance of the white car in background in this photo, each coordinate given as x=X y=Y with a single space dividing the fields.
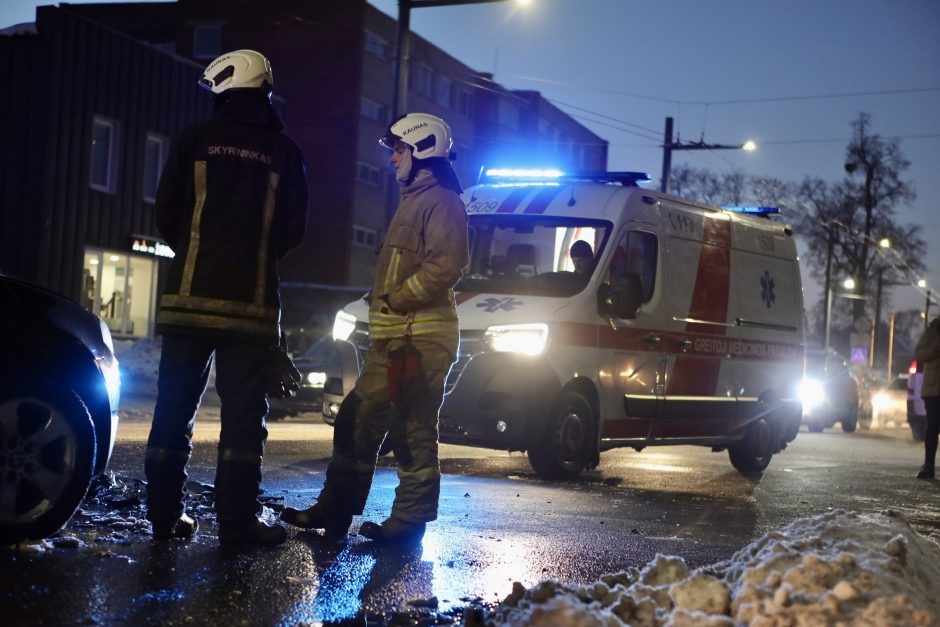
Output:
x=916 y=412
x=889 y=404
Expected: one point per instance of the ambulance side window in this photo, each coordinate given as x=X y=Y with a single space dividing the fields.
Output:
x=636 y=253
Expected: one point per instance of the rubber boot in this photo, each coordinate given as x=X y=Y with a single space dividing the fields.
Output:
x=393 y=530
x=237 y=487
x=182 y=528
x=334 y=524
x=166 y=492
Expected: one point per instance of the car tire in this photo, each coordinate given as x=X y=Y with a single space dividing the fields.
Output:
x=47 y=456
x=562 y=447
x=850 y=422
x=753 y=452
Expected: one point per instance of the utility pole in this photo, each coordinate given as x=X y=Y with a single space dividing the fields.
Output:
x=828 y=286
x=669 y=146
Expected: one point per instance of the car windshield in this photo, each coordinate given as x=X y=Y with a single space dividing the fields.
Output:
x=319 y=350
x=900 y=383
x=531 y=255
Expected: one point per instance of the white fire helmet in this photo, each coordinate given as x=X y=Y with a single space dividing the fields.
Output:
x=428 y=135
x=237 y=70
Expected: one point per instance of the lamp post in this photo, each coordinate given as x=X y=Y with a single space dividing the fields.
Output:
x=400 y=96
x=669 y=146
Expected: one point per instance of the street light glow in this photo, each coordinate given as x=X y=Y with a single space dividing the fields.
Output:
x=849 y=283
x=885 y=242
x=749 y=145
x=922 y=283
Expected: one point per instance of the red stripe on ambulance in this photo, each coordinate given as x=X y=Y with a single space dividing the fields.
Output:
x=697 y=376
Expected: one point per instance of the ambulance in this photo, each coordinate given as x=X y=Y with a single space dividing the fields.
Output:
x=686 y=327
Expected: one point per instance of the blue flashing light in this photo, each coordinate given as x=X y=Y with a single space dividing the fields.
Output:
x=761 y=211
x=527 y=174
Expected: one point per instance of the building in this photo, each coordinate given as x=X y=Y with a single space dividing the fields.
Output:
x=123 y=76
x=85 y=134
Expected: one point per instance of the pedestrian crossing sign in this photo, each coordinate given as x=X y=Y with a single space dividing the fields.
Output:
x=859 y=355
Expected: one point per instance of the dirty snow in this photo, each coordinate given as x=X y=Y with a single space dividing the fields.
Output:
x=139 y=361
x=840 y=568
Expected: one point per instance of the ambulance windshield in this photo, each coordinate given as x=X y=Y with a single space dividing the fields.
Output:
x=532 y=255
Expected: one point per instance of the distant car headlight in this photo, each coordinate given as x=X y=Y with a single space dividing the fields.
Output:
x=879 y=401
x=528 y=339
x=812 y=393
x=343 y=325
x=316 y=379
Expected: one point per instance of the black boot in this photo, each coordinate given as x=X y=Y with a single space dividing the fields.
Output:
x=166 y=491
x=183 y=528
x=251 y=532
x=393 y=530
x=335 y=525
x=926 y=472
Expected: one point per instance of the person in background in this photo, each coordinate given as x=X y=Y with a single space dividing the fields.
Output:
x=928 y=353
x=582 y=256
x=232 y=200
x=413 y=342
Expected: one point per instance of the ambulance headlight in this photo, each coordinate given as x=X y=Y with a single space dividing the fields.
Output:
x=343 y=325
x=527 y=339
x=812 y=393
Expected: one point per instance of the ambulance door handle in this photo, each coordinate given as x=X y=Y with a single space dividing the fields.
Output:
x=685 y=344
x=653 y=341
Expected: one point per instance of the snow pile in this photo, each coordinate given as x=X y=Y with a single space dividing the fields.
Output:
x=837 y=568
x=139 y=360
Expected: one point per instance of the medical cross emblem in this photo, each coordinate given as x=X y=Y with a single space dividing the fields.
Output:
x=767 y=289
x=492 y=305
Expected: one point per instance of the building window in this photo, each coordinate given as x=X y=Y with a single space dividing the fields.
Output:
x=444 y=89
x=103 y=170
x=464 y=103
x=371 y=109
x=508 y=115
x=120 y=289
x=155 y=152
x=364 y=237
x=424 y=80
x=376 y=45
x=368 y=174
x=207 y=41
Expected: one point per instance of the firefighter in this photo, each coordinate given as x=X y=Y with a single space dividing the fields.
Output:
x=232 y=201
x=413 y=342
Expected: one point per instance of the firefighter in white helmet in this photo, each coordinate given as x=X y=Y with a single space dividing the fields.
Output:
x=413 y=342
x=232 y=201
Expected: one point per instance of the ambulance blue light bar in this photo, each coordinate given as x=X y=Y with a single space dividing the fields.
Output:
x=551 y=176
x=758 y=211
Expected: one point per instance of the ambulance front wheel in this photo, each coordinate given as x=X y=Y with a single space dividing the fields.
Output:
x=753 y=453
x=561 y=447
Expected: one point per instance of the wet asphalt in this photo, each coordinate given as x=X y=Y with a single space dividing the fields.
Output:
x=498 y=523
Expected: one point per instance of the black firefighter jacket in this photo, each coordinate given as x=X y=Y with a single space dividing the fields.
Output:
x=231 y=202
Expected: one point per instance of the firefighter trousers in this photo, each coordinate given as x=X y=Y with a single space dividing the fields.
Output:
x=366 y=418
x=184 y=372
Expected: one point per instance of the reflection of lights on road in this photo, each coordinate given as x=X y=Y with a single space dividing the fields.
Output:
x=334 y=596
x=664 y=468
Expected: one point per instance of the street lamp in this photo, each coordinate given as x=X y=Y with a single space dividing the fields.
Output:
x=400 y=97
x=669 y=146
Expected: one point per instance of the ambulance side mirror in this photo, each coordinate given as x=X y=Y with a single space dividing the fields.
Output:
x=621 y=300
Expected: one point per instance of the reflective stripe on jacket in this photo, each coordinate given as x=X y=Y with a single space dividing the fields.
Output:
x=422 y=258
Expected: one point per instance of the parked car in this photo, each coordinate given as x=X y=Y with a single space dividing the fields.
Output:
x=59 y=393
x=312 y=366
x=890 y=402
x=916 y=411
x=829 y=392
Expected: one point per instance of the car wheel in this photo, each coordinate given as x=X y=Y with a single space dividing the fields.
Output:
x=850 y=422
x=562 y=448
x=47 y=454
x=753 y=453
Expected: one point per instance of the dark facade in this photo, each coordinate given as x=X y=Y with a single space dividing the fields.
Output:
x=334 y=64
x=71 y=209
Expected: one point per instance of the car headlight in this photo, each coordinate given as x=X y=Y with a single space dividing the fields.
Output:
x=343 y=325
x=528 y=339
x=112 y=379
x=316 y=379
x=812 y=393
x=879 y=401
